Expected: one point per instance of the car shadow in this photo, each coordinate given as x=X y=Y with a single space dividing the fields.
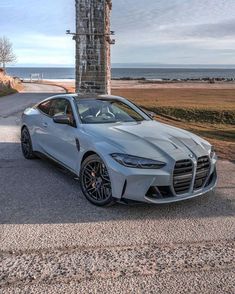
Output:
x=40 y=192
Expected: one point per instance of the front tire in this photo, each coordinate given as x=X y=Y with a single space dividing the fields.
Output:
x=26 y=144
x=95 y=181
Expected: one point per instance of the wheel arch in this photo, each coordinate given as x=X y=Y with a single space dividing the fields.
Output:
x=24 y=126
x=87 y=154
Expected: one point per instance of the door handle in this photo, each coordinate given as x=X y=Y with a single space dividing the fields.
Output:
x=45 y=125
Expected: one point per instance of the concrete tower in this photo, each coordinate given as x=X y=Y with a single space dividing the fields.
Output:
x=93 y=65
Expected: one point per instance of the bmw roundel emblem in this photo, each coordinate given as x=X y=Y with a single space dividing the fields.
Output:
x=190 y=155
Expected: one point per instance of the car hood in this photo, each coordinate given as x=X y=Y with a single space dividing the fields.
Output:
x=149 y=139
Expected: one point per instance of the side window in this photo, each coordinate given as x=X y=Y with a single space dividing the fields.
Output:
x=62 y=107
x=58 y=107
x=124 y=112
x=69 y=113
x=45 y=107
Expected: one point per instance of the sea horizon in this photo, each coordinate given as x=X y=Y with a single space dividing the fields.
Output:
x=152 y=73
x=138 y=65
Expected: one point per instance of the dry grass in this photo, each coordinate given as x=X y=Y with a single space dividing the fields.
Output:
x=197 y=105
x=211 y=99
x=8 y=85
x=6 y=92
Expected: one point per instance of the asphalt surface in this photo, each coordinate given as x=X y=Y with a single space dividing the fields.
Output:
x=33 y=93
x=41 y=88
x=53 y=241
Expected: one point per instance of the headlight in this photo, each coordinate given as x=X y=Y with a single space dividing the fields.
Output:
x=137 y=162
x=212 y=152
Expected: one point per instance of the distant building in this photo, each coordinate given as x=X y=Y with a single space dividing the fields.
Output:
x=93 y=65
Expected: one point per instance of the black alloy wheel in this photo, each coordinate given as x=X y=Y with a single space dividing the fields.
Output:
x=26 y=144
x=95 y=181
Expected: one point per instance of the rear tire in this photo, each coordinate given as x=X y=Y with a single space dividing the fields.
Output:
x=95 y=181
x=26 y=144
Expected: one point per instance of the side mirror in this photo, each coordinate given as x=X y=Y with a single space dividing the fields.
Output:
x=151 y=114
x=61 y=119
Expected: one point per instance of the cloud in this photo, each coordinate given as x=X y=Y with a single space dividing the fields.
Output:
x=48 y=50
x=225 y=29
x=193 y=31
x=5 y=4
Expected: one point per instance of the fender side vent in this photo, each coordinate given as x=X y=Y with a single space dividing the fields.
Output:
x=78 y=145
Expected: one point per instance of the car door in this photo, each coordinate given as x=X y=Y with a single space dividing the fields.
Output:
x=41 y=131
x=60 y=140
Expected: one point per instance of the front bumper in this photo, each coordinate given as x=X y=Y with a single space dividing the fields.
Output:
x=176 y=198
x=137 y=184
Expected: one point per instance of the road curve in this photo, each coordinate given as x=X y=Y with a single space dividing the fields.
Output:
x=41 y=88
x=32 y=93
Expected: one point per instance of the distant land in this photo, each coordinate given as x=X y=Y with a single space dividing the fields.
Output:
x=134 y=65
x=163 y=65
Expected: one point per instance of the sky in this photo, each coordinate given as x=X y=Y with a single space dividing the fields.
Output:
x=149 y=31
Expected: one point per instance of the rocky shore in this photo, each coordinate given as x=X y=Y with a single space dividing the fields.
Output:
x=189 y=80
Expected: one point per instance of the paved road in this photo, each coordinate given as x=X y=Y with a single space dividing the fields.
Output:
x=18 y=102
x=40 y=88
x=53 y=241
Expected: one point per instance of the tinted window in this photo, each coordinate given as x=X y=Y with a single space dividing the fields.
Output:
x=62 y=107
x=45 y=107
x=59 y=107
x=95 y=111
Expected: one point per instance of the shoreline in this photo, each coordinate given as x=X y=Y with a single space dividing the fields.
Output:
x=148 y=81
x=69 y=84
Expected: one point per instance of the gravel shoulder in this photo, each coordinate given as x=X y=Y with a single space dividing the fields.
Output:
x=53 y=267
x=206 y=282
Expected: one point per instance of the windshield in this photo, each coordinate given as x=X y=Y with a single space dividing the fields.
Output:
x=96 y=111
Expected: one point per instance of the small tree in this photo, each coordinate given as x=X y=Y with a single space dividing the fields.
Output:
x=6 y=52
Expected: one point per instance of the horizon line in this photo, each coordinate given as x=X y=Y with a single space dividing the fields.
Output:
x=128 y=65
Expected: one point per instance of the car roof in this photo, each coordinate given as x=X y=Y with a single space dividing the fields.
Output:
x=96 y=96
x=85 y=96
x=78 y=97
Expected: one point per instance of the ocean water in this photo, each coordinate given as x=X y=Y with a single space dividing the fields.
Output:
x=148 y=73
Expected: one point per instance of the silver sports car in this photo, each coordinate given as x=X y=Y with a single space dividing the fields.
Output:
x=118 y=151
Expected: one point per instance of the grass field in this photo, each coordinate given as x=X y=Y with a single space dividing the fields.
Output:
x=196 y=105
